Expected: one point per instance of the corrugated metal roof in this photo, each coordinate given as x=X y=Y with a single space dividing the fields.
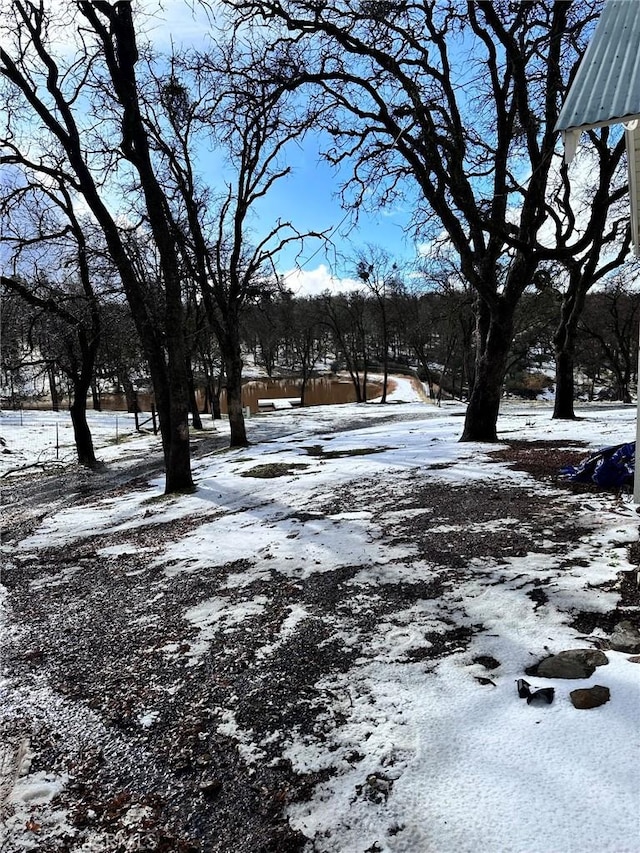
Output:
x=607 y=86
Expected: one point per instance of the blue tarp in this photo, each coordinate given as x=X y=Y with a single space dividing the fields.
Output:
x=610 y=468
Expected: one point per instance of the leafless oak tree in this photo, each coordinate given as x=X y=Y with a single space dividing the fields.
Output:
x=450 y=106
x=67 y=95
x=48 y=266
x=217 y=99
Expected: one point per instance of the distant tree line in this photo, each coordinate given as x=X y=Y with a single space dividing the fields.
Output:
x=415 y=328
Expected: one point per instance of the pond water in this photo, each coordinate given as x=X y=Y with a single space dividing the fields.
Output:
x=321 y=391
x=318 y=392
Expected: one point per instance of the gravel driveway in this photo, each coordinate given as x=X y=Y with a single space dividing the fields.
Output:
x=92 y=644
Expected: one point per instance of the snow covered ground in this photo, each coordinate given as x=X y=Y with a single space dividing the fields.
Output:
x=422 y=756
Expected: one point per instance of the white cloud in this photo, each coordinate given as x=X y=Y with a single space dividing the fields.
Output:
x=317 y=281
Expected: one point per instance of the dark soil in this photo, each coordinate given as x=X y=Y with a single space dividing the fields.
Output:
x=111 y=642
x=542 y=459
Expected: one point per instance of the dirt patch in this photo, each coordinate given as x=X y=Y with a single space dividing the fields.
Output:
x=542 y=459
x=274 y=469
x=319 y=451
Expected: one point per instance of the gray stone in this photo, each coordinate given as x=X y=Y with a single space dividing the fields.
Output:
x=590 y=697
x=574 y=663
x=626 y=638
x=210 y=788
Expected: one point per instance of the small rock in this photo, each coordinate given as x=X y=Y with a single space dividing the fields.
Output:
x=590 y=697
x=634 y=659
x=210 y=788
x=544 y=696
x=35 y=655
x=487 y=661
x=573 y=663
x=380 y=783
x=626 y=638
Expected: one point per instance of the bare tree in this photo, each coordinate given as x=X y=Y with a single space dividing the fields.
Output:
x=59 y=106
x=50 y=263
x=213 y=97
x=610 y=321
x=17 y=378
x=381 y=278
x=348 y=316
x=451 y=106
x=608 y=249
x=120 y=360
x=302 y=317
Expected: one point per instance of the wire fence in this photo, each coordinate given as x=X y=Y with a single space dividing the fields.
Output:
x=30 y=437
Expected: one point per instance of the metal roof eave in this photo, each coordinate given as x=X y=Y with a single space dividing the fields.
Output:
x=571 y=135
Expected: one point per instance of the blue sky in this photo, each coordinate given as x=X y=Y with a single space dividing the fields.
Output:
x=308 y=197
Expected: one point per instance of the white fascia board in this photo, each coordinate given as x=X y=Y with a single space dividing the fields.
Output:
x=571 y=136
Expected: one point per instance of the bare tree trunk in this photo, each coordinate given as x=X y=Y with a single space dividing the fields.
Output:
x=130 y=395
x=81 y=431
x=195 y=414
x=564 y=342
x=216 y=409
x=53 y=388
x=495 y=331
x=178 y=466
x=233 y=364
x=385 y=353
x=565 y=384
x=95 y=397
